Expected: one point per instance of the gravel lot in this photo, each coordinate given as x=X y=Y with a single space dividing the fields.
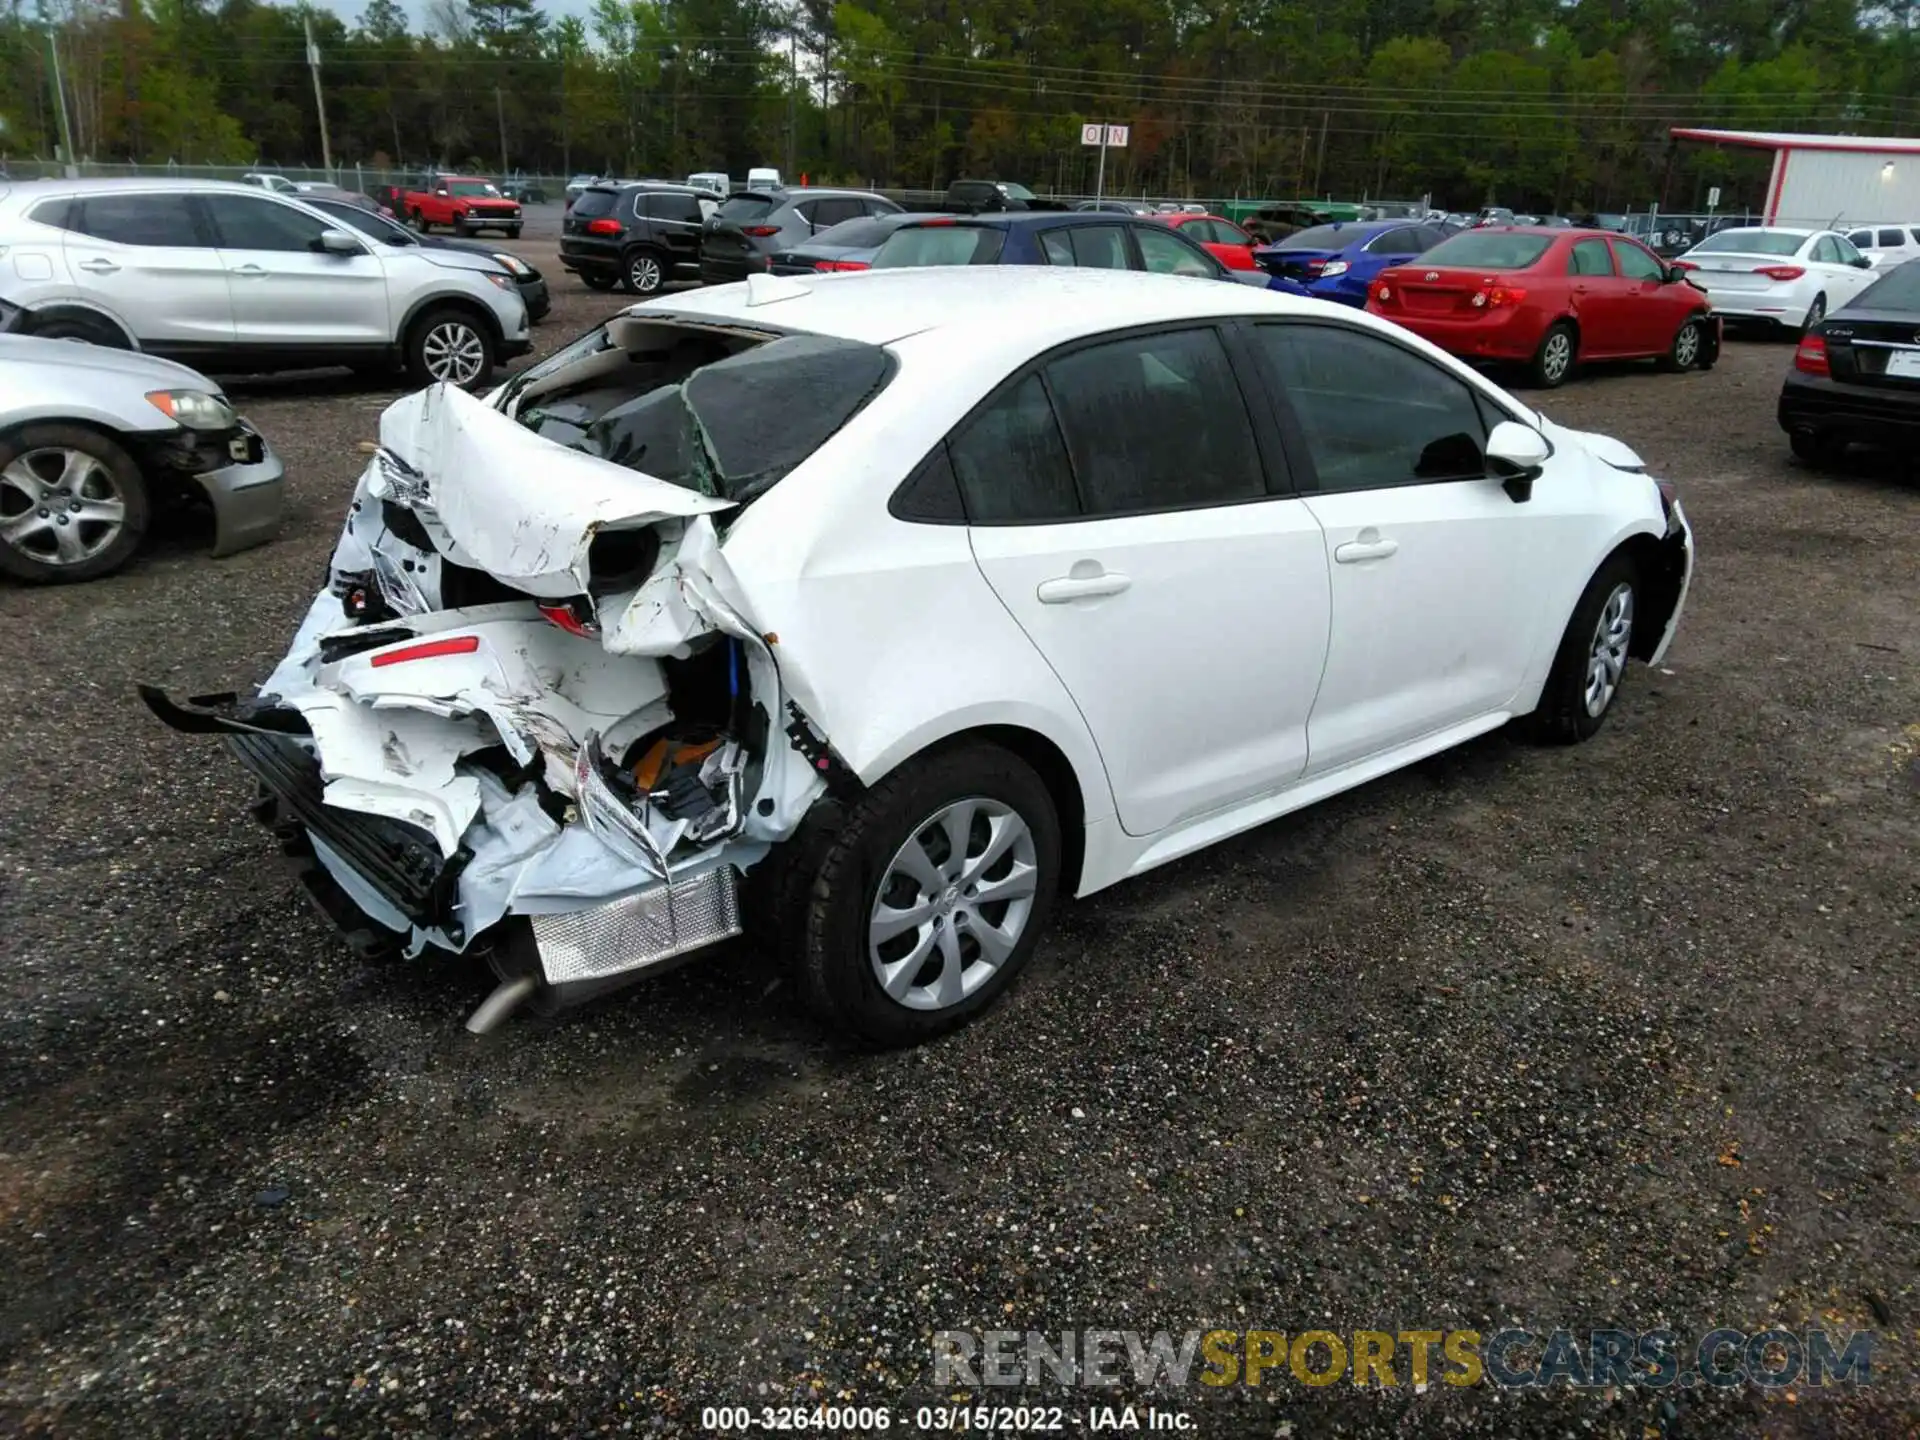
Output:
x=1620 y=1034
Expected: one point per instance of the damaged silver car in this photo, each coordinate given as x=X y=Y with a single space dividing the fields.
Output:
x=873 y=610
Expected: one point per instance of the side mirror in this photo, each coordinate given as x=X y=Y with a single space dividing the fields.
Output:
x=1861 y=262
x=441 y=191
x=338 y=242
x=1516 y=454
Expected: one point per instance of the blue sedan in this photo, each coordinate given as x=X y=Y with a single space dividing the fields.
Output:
x=1338 y=261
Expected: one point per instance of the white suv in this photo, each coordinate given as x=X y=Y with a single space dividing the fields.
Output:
x=231 y=278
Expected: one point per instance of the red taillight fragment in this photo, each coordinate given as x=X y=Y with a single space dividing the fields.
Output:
x=1683 y=265
x=828 y=266
x=946 y=220
x=570 y=620
x=1781 y=272
x=1811 y=357
x=603 y=227
x=1381 y=294
x=1495 y=297
x=428 y=650
x=760 y=231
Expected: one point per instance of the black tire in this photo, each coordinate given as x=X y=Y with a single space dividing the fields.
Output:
x=824 y=902
x=21 y=558
x=1816 y=312
x=1689 y=346
x=428 y=335
x=643 y=272
x=512 y=232
x=461 y=228
x=1553 y=362
x=1564 y=715
x=1816 y=448
x=418 y=221
x=598 y=282
x=88 y=329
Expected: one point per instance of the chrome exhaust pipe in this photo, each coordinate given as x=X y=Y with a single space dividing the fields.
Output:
x=507 y=997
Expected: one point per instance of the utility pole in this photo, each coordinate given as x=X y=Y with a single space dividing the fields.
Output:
x=60 y=90
x=793 y=83
x=500 y=114
x=1320 y=162
x=319 y=99
x=1100 y=174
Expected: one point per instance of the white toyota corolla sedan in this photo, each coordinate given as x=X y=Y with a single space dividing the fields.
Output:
x=876 y=610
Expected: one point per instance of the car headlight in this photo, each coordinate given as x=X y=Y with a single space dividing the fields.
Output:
x=515 y=265
x=1333 y=268
x=195 y=409
x=504 y=282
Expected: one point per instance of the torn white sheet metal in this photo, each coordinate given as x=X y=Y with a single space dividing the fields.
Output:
x=515 y=505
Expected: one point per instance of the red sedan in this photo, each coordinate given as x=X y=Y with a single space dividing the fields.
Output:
x=1549 y=298
x=1224 y=240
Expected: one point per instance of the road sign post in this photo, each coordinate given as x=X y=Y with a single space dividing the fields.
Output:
x=1103 y=136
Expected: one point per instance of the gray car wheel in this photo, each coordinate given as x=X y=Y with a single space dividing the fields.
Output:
x=644 y=273
x=451 y=346
x=73 y=504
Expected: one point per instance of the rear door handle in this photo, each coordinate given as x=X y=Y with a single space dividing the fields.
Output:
x=1366 y=546
x=1081 y=585
x=99 y=267
x=248 y=270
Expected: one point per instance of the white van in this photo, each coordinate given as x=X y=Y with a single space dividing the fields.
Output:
x=763 y=177
x=716 y=181
x=1887 y=245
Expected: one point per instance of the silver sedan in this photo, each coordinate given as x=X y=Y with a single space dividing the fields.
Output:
x=91 y=438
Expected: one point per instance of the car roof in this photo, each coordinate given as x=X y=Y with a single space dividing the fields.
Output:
x=1041 y=304
x=998 y=219
x=28 y=188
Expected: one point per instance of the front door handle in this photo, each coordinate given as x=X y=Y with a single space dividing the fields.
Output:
x=99 y=267
x=248 y=270
x=1367 y=545
x=1086 y=581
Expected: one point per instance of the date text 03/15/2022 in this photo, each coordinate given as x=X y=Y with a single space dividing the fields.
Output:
x=944 y=1419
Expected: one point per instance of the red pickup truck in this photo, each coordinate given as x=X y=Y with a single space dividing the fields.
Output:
x=465 y=203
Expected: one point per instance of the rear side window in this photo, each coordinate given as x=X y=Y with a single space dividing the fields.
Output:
x=672 y=205
x=919 y=245
x=1012 y=462
x=834 y=209
x=1096 y=247
x=138 y=220
x=1489 y=250
x=1888 y=238
x=590 y=203
x=1590 y=258
x=1156 y=422
x=244 y=223
x=61 y=214
x=1394 y=242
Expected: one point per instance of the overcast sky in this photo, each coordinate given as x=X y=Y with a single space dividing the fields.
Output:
x=349 y=10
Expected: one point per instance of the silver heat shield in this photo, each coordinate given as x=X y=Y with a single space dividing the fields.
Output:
x=641 y=930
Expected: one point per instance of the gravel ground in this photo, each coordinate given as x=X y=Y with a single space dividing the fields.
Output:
x=1620 y=1034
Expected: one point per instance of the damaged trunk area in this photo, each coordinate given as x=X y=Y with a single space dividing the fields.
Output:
x=530 y=714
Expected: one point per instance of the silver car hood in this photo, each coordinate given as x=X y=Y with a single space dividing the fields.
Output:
x=73 y=361
x=453 y=259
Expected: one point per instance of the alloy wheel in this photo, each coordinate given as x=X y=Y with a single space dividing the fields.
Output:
x=1557 y=356
x=1686 y=346
x=1607 y=654
x=952 y=903
x=453 y=351
x=59 y=506
x=643 y=274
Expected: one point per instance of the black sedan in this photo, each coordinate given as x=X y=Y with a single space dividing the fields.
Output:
x=533 y=285
x=1856 y=376
x=850 y=245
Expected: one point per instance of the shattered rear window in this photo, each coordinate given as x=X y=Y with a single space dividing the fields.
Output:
x=700 y=412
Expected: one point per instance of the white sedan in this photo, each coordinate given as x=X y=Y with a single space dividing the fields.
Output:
x=882 y=608
x=1792 y=278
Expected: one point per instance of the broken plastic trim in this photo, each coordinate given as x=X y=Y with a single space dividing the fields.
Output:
x=607 y=817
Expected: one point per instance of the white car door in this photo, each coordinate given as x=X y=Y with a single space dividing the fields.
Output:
x=1849 y=277
x=1435 y=567
x=287 y=291
x=1120 y=507
x=144 y=257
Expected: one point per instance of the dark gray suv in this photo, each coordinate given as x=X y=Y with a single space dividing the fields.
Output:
x=751 y=225
x=639 y=235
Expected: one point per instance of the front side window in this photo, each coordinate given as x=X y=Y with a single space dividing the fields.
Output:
x=157 y=220
x=369 y=224
x=242 y=223
x=1156 y=422
x=1165 y=253
x=1844 y=251
x=1637 y=264
x=1590 y=258
x=1865 y=237
x=1372 y=415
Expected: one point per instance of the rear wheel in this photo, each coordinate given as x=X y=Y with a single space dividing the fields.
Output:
x=1592 y=659
x=644 y=275
x=449 y=345
x=73 y=504
x=1687 y=347
x=597 y=282
x=926 y=901
x=1553 y=361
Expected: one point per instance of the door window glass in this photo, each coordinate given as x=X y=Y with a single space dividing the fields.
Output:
x=1099 y=247
x=243 y=223
x=1156 y=422
x=1590 y=258
x=1637 y=264
x=1011 y=462
x=1373 y=415
x=1164 y=253
x=158 y=220
x=671 y=205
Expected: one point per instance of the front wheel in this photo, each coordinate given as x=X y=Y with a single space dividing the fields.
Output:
x=644 y=274
x=929 y=898
x=1685 y=352
x=73 y=504
x=1553 y=361
x=1592 y=659
x=449 y=345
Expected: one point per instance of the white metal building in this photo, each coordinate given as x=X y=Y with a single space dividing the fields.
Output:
x=1829 y=179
